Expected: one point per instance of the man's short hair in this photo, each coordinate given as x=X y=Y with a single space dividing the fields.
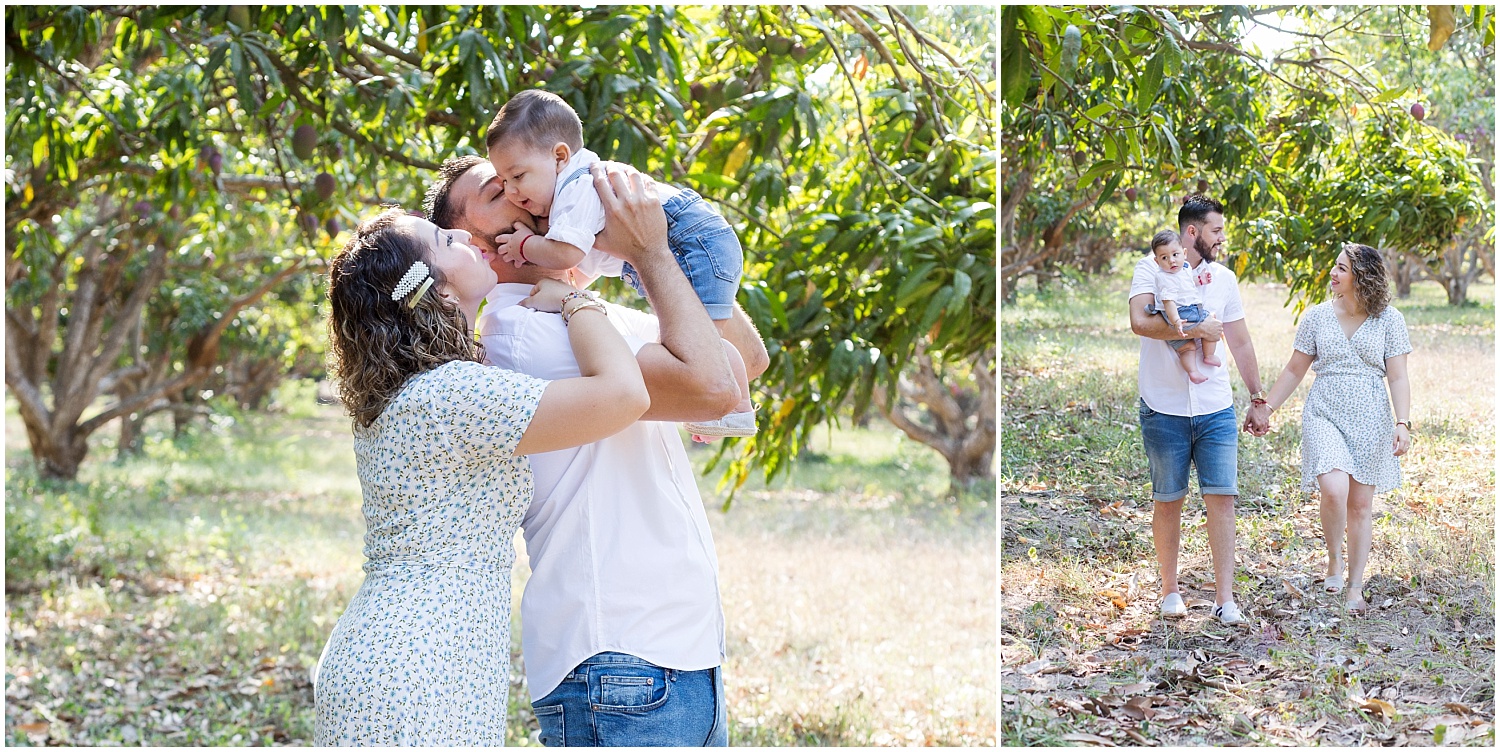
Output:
x=439 y=205
x=1165 y=237
x=1195 y=211
x=538 y=119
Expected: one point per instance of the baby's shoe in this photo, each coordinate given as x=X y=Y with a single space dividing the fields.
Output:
x=733 y=424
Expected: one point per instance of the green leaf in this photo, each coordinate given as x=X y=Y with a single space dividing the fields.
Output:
x=1149 y=84
x=1390 y=95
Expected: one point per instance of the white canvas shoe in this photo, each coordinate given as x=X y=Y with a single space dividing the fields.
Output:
x=1228 y=613
x=733 y=424
x=1172 y=606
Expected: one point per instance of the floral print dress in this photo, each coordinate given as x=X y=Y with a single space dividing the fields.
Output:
x=1346 y=422
x=422 y=655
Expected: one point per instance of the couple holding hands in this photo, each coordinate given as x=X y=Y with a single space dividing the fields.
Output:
x=1356 y=343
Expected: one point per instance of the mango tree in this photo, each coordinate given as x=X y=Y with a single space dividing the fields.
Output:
x=849 y=145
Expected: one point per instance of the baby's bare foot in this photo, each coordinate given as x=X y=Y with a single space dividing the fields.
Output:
x=1210 y=360
x=1196 y=377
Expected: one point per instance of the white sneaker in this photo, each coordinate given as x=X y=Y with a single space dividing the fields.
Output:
x=1228 y=613
x=733 y=424
x=1172 y=606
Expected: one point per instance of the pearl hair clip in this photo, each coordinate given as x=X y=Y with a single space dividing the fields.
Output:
x=409 y=281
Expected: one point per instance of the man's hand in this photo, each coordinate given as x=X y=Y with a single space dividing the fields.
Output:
x=1209 y=329
x=508 y=245
x=634 y=227
x=1258 y=419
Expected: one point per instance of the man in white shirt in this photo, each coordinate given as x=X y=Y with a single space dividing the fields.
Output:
x=1185 y=424
x=622 y=627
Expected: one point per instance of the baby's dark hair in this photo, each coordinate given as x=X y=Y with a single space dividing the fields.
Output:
x=537 y=119
x=1163 y=238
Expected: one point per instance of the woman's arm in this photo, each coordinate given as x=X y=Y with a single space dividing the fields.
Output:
x=608 y=397
x=1290 y=377
x=1395 y=376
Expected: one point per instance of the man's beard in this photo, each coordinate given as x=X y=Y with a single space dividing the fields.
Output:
x=1204 y=248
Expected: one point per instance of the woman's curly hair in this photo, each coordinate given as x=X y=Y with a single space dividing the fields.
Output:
x=376 y=343
x=1370 y=288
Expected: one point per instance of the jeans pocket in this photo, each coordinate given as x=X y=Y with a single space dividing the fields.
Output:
x=1146 y=412
x=726 y=258
x=553 y=729
x=634 y=688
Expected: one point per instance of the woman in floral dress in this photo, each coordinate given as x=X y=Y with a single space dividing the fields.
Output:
x=1350 y=442
x=422 y=654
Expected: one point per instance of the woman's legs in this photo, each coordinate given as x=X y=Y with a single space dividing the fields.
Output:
x=1334 y=485
x=1361 y=500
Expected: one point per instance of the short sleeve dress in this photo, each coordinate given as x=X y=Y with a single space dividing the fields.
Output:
x=422 y=654
x=1347 y=422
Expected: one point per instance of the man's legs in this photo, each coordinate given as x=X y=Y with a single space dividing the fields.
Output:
x=1220 y=510
x=615 y=700
x=1166 y=533
x=1167 y=439
x=1215 y=455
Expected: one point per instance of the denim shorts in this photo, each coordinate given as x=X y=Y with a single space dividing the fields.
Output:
x=706 y=248
x=619 y=700
x=1191 y=315
x=1207 y=442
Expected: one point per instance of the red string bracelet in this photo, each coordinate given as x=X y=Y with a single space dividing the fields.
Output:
x=523 y=248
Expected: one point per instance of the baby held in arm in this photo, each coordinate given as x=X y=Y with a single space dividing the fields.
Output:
x=536 y=146
x=1178 y=301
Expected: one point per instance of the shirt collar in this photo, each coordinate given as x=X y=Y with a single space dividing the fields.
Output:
x=507 y=294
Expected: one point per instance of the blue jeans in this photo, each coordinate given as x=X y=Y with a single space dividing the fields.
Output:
x=1207 y=442
x=619 y=700
x=706 y=248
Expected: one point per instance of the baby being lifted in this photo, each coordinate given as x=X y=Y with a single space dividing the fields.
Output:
x=536 y=146
x=1178 y=301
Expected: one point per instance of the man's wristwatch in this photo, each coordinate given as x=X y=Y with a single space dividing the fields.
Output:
x=1258 y=398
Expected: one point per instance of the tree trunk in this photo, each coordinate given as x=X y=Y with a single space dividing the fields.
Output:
x=958 y=420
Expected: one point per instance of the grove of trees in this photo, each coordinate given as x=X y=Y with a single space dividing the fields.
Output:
x=177 y=176
x=1365 y=123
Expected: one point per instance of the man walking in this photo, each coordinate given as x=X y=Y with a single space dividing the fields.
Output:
x=1187 y=425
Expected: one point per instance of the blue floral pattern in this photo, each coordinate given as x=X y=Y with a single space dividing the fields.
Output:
x=422 y=654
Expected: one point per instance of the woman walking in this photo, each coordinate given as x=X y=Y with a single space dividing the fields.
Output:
x=1350 y=442
x=422 y=654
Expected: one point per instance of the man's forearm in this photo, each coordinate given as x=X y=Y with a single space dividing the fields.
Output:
x=1237 y=335
x=700 y=374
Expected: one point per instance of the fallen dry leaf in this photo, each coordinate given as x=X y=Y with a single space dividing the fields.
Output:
x=1115 y=597
x=34 y=729
x=1458 y=707
x=1293 y=591
x=1090 y=739
x=1385 y=709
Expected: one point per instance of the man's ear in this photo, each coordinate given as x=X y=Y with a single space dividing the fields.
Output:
x=562 y=153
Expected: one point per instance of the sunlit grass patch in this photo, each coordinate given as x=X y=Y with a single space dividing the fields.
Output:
x=182 y=597
x=1076 y=535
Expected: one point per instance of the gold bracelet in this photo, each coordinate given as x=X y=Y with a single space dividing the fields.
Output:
x=568 y=313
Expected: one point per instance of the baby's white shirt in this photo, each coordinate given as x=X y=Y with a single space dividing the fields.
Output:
x=1178 y=288
x=577 y=217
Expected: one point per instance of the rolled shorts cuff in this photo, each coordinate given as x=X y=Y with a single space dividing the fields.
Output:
x=719 y=311
x=1219 y=491
x=1168 y=498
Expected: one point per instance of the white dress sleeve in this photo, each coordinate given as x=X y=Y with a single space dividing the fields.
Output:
x=486 y=410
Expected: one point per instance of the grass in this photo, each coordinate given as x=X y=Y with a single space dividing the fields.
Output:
x=180 y=598
x=1080 y=641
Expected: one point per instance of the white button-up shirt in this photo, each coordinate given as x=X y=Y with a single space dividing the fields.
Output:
x=577 y=217
x=622 y=558
x=1163 y=384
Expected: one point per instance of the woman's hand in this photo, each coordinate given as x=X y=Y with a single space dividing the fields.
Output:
x=547 y=296
x=1402 y=442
